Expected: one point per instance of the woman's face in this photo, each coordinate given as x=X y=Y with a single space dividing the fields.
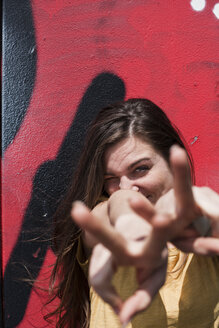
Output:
x=135 y=164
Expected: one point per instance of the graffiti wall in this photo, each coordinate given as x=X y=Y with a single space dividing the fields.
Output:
x=63 y=60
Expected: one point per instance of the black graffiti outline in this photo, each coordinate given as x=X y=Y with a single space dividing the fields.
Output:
x=19 y=66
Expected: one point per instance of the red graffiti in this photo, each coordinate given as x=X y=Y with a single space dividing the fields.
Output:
x=162 y=51
x=52 y=7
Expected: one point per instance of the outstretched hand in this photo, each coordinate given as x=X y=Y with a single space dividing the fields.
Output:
x=117 y=248
x=193 y=212
x=175 y=218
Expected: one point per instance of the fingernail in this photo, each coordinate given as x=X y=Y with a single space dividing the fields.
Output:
x=77 y=202
x=73 y=205
x=174 y=148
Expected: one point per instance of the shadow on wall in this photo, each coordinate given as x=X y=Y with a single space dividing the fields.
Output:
x=50 y=184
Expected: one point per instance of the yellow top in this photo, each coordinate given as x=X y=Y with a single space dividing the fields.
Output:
x=188 y=299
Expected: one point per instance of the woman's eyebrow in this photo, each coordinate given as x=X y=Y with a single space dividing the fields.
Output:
x=138 y=162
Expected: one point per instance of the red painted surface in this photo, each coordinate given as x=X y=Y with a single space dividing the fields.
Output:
x=162 y=50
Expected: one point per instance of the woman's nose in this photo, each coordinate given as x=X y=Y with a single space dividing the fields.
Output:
x=127 y=184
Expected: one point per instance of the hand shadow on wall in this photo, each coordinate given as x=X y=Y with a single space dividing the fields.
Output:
x=49 y=186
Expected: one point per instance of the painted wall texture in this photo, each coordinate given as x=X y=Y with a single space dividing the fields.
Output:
x=65 y=59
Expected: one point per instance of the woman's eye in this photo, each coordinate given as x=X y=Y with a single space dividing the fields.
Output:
x=142 y=168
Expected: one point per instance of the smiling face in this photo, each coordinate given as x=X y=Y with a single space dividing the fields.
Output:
x=135 y=164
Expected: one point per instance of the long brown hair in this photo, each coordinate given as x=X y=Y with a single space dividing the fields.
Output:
x=134 y=117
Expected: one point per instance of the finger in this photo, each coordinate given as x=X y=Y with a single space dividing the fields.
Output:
x=200 y=246
x=182 y=177
x=152 y=253
x=185 y=205
x=101 y=231
x=143 y=296
x=101 y=271
x=166 y=204
x=142 y=207
x=156 y=241
x=208 y=200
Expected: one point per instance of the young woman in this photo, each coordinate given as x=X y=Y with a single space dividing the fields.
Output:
x=135 y=175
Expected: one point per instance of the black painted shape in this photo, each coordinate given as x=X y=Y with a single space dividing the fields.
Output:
x=1 y=284
x=19 y=65
x=49 y=186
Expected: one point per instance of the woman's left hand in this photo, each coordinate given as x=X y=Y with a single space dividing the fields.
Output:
x=193 y=212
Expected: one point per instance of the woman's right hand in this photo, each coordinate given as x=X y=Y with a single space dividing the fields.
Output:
x=124 y=245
